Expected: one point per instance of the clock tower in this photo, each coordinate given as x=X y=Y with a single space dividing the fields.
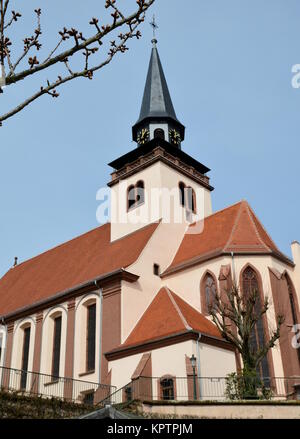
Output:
x=157 y=116
x=157 y=180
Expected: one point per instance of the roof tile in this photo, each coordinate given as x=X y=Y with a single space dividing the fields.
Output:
x=69 y=265
x=168 y=315
x=234 y=229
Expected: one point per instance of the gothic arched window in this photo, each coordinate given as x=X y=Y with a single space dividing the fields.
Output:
x=209 y=292
x=159 y=133
x=250 y=285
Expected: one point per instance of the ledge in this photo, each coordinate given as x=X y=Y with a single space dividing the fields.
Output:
x=89 y=372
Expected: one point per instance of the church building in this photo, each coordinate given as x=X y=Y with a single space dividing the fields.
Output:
x=130 y=298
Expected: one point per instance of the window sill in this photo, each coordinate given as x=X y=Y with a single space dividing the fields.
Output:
x=89 y=372
x=135 y=206
x=50 y=383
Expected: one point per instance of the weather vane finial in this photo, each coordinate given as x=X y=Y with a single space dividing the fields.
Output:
x=155 y=27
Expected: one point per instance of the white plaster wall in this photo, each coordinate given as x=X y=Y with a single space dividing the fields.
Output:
x=171 y=178
x=156 y=177
x=216 y=362
x=187 y=283
x=136 y=297
x=123 y=369
x=169 y=360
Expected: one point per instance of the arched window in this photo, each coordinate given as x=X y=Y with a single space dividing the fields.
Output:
x=135 y=195
x=187 y=197
x=159 y=133
x=130 y=197
x=208 y=292
x=167 y=388
x=182 y=194
x=191 y=199
x=25 y=357
x=140 y=193
x=250 y=284
x=91 y=337
x=57 y=320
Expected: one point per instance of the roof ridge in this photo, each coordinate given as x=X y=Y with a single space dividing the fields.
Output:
x=238 y=215
x=136 y=231
x=183 y=319
x=251 y=213
x=219 y=211
x=58 y=246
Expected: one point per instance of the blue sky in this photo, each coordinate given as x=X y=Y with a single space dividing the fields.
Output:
x=228 y=66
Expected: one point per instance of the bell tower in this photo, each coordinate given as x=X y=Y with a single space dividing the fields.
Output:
x=157 y=181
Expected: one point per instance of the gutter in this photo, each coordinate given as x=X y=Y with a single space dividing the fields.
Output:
x=100 y=330
x=199 y=365
x=124 y=351
x=125 y=275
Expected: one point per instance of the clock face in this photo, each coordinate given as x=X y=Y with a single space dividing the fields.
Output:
x=143 y=136
x=174 y=137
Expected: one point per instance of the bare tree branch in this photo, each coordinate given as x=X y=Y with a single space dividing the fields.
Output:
x=79 y=44
x=243 y=313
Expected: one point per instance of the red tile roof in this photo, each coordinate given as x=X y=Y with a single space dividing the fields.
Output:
x=69 y=265
x=168 y=315
x=234 y=229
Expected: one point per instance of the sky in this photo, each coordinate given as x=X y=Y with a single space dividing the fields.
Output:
x=228 y=67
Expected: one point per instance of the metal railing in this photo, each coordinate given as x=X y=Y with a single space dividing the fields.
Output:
x=33 y=383
x=206 y=389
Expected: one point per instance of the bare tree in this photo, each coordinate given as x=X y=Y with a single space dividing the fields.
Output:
x=236 y=316
x=71 y=42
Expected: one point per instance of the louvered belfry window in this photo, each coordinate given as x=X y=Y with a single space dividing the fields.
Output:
x=56 y=346
x=25 y=357
x=257 y=340
x=91 y=337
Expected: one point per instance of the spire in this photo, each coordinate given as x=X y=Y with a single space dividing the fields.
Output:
x=157 y=101
x=157 y=106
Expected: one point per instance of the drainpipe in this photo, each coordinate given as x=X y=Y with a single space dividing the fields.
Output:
x=198 y=365
x=100 y=330
x=233 y=268
x=3 y=354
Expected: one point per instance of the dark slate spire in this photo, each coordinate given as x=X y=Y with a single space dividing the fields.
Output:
x=157 y=100
x=157 y=106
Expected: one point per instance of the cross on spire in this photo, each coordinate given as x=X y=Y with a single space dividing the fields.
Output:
x=154 y=27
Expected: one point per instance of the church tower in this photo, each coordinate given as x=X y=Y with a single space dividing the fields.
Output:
x=157 y=181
